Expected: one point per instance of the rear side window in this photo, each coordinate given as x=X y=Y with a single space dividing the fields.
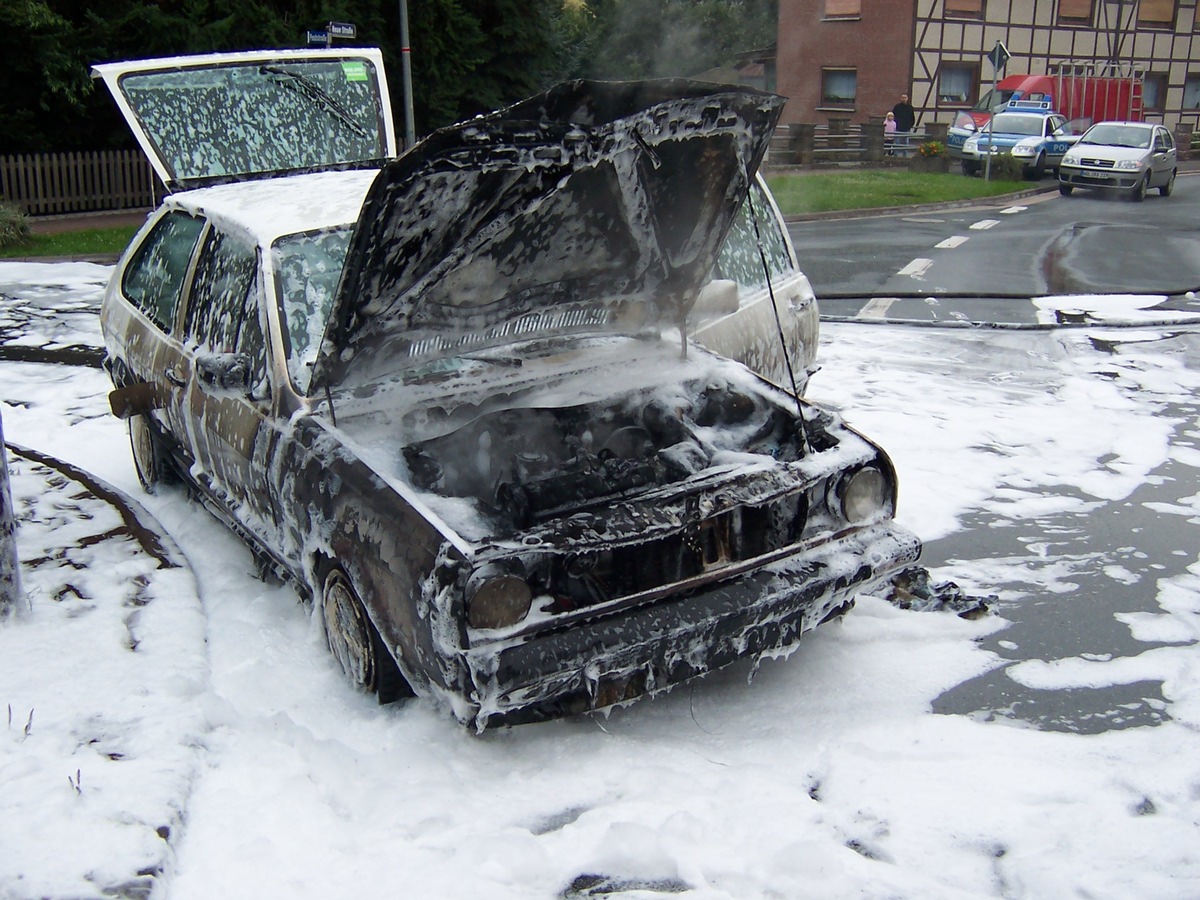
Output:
x=739 y=258
x=222 y=313
x=154 y=278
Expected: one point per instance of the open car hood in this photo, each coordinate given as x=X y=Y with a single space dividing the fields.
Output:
x=593 y=207
x=227 y=116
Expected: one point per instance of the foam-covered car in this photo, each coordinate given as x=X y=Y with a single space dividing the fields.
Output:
x=460 y=395
x=1029 y=131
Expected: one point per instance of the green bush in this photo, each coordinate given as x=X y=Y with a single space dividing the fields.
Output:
x=1005 y=168
x=14 y=226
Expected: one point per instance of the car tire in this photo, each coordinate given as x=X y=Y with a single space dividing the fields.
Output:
x=355 y=643
x=1138 y=193
x=970 y=169
x=150 y=458
x=1065 y=189
x=1166 y=189
x=1039 y=167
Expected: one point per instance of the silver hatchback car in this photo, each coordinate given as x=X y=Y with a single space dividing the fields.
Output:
x=1132 y=157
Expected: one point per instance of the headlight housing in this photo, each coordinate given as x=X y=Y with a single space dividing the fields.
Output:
x=1026 y=147
x=864 y=494
x=1129 y=164
x=496 y=599
x=1071 y=159
x=971 y=144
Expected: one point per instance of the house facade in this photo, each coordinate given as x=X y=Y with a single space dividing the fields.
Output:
x=852 y=59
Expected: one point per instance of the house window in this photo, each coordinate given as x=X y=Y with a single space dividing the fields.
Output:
x=964 y=9
x=956 y=84
x=1075 y=12
x=1191 y=92
x=1156 y=13
x=843 y=9
x=838 y=87
x=1154 y=92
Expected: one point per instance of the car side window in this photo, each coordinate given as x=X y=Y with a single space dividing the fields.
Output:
x=154 y=278
x=1162 y=140
x=308 y=268
x=223 y=308
x=739 y=259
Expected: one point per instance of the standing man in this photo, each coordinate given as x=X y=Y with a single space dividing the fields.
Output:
x=906 y=116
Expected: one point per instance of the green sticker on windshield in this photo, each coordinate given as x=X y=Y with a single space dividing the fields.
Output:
x=354 y=70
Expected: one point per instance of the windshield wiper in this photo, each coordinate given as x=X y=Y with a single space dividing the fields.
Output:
x=314 y=91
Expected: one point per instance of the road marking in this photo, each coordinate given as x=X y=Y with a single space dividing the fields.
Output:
x=950 y=243
x=876 y=309
x=916 y=268
x=1013 y=209
x=984 y=224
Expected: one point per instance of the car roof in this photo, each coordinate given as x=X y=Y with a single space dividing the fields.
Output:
x=269 y=208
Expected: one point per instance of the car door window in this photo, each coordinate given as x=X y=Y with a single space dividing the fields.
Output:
x=308 y=268
x=739 y=259
x=222 y=313
x=154 y=278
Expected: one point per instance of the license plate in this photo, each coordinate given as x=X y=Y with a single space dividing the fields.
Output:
x=1094 y=174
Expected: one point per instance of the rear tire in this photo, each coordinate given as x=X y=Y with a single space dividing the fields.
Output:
x=150 y=458
x=1139 y=190
x=1166 y=189
x=1065 y=189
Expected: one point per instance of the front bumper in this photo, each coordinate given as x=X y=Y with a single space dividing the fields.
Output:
x=645 y=650
x=1087 y=177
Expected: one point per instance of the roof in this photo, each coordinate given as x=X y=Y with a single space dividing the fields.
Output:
x=268 y=208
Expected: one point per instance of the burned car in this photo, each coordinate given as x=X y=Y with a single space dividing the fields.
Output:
x=468 y=398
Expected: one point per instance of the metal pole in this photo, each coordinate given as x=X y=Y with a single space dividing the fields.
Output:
x=410 y=136
x=987 y=165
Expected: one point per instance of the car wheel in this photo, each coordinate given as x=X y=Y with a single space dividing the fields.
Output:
x=1039 y=167
x=355 y=643
x=1139 y=190
x=970 y=168
x=1065 y=189
x=150 y=459
x=1166 y=189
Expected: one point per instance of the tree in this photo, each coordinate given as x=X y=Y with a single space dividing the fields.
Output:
x=10 y=569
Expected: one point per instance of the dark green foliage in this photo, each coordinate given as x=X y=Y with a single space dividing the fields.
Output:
x=1005 y=168
x=468 y=56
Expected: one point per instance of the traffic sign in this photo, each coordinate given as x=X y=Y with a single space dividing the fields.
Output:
x=342 y=30
x=999 y=56
x=318 y=37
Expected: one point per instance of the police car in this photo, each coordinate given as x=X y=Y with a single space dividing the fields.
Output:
x=1029 y=131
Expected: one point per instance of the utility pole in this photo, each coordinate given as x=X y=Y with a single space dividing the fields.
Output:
x=410 y=135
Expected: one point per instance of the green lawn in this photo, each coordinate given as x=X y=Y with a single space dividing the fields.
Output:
x=866 y=189
x=89 y=242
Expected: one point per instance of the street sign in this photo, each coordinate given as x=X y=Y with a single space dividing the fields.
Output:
x=318 y=37
x=999 y=56
x=342 y=30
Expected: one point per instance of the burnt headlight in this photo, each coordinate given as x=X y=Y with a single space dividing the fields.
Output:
x=496 y=599
x=864 y=494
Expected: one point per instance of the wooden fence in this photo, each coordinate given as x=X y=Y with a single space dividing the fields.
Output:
x=54 y=183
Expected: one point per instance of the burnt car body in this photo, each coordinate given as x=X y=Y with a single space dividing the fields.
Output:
x=464 y=397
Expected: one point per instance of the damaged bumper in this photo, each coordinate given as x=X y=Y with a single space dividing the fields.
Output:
x=621 y=656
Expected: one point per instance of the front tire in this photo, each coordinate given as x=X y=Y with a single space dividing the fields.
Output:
x=356 y=644
x=1065 y=189
x=1039 y=167
x=150 y=458
x=970 y=169
x=1166 y=189
x=1139 y=190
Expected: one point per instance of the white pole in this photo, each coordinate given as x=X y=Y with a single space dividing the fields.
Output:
x=410 y=136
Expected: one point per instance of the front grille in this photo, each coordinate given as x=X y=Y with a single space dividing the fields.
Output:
x=1097 y=163
x=588 y=578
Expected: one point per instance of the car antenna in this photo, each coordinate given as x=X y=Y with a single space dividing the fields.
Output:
x=787 y=359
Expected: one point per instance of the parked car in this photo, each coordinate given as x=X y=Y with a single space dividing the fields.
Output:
x=457 y=395
x=1028 y=131
x=1131 y=157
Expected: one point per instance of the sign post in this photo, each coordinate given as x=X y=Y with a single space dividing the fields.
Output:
x=10 y=569
x=998 y=57
x=410 y=136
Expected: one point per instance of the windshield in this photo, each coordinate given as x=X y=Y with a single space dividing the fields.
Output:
x=1014 y=123
x=246 y=118
x=993 y=100
x=1118 y=136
